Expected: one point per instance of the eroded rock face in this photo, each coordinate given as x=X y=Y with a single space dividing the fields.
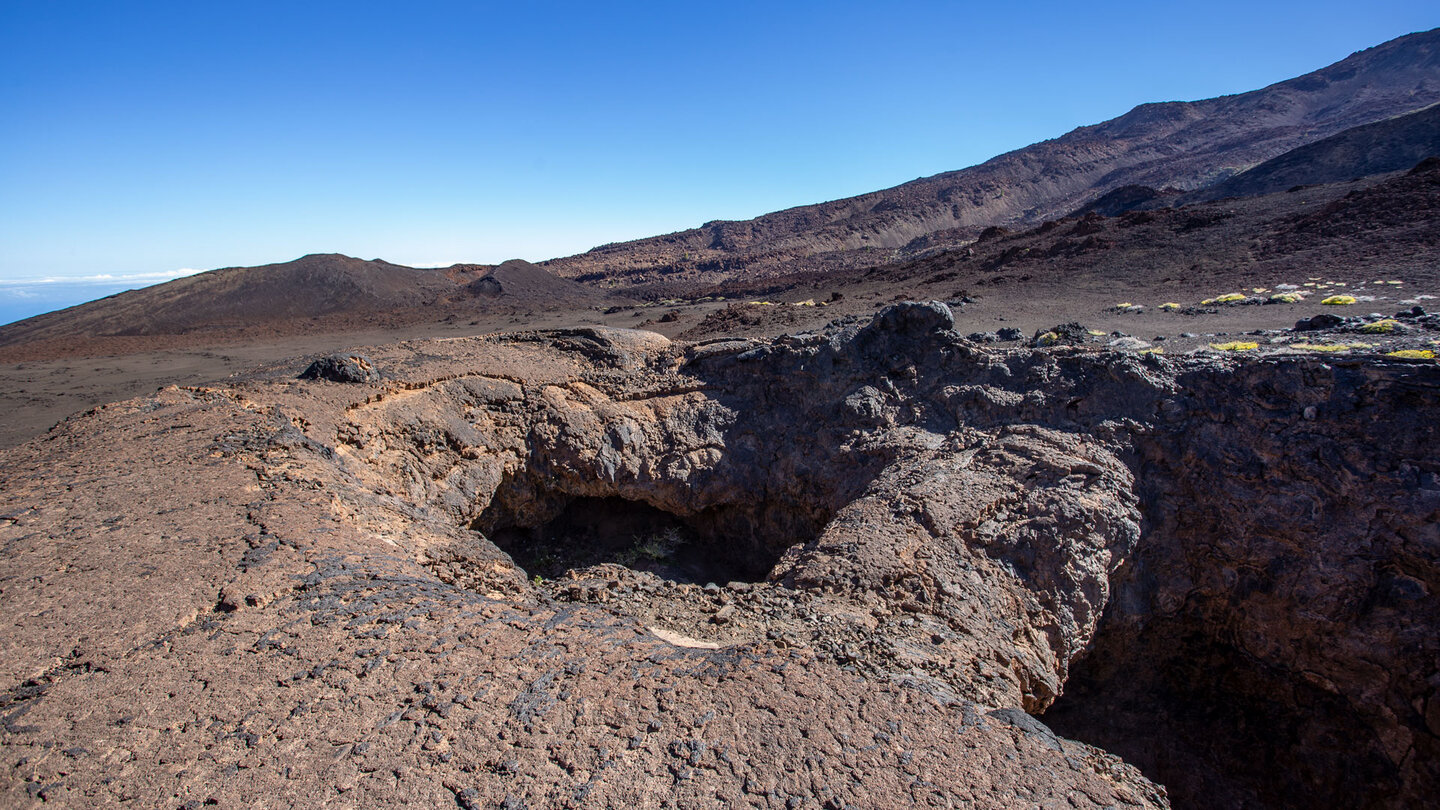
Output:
x=1273 y=642
x=824 y=571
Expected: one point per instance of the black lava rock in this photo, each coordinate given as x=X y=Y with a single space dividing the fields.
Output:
x=342 y=368
x=914 y=318
x=1069 y=334
x=1322 y=321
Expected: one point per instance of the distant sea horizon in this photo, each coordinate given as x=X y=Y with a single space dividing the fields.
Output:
x=26 y=298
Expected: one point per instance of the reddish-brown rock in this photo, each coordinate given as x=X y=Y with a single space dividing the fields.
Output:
x=828 y=570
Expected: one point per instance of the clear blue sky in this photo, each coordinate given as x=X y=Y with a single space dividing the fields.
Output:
x=141 y=138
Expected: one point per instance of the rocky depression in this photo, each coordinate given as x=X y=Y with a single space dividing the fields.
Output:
x=595 y=568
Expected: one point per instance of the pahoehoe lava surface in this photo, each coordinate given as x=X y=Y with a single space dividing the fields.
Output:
x=825 y=570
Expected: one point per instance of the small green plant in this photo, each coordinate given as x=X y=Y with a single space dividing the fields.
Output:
x=1339 y=300
x=1047 y=339
x=537 y=580
x=1170 y=306
x=656 y=547
x=1236 y=346
x=661 y=545
x=1413 y=354
x=1381 y=327
x=1287 y=298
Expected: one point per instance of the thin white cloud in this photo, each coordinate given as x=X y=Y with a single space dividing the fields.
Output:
x=99 y=280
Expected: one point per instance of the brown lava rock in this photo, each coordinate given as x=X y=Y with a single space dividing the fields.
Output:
x=595 y=568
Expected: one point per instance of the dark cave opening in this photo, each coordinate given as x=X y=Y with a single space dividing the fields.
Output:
x=588 y=531
x=1219 y=728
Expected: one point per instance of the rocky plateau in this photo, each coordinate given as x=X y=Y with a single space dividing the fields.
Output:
x=850 y=568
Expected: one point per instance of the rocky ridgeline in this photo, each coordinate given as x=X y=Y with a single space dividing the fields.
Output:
x=595 y=568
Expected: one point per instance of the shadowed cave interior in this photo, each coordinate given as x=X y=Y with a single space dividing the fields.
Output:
x=593 y=530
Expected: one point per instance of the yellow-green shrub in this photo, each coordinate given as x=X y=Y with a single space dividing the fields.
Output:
x=1236 y=346
x=1413 y=354
x=1339 y=300
x=1227 y=298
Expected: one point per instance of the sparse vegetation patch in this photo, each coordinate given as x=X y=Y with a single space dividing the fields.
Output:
x=1320 y=347
x=1380 y=327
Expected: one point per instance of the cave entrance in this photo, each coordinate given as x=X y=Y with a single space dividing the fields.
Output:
x=1218 y=728
x=589 y=531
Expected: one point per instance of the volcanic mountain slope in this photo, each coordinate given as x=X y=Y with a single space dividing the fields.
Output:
x=1354 y=237
x=317 y=284
x=1384 y=146
x=1350 y=231
x=1186 y=145
x=316 y=292
x=1391 y=145
x=521 y=284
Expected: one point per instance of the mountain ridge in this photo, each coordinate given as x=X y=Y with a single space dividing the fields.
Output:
x=1180 y=146
x=1185 y=144
x=1389 y=145
x=322 y=287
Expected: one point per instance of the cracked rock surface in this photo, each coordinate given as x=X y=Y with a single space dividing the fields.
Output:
x=594 y=568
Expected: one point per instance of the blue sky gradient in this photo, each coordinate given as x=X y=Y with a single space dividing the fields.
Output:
x=144 y=138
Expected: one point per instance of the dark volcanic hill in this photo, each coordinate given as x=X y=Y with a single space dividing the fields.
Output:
x=327 y=291
x=520 y=283
x=1384 y=146
x=1186 y=145
x=318 y=284
x=1356 y=231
